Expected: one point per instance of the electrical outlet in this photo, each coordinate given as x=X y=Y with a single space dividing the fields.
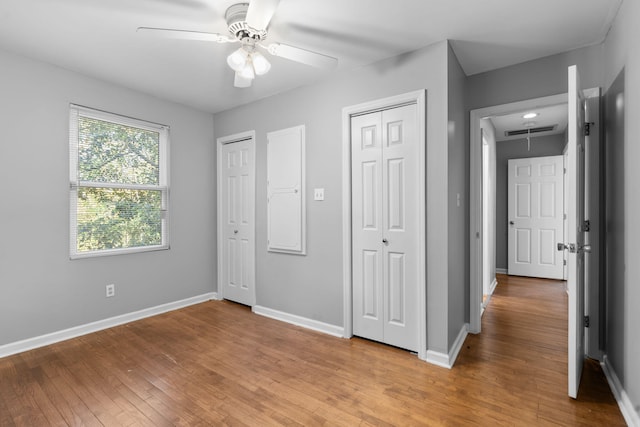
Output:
x=111 y=290
x=318 y=194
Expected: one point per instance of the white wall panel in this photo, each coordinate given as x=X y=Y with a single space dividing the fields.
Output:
x=285 y=191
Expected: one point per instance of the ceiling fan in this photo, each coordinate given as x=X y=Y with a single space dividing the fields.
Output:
x=248 y=25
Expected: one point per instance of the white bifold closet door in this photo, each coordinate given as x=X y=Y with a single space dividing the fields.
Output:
x=384 y=147
x=238 y=212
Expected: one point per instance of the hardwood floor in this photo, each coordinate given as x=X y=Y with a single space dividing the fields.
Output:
x=217 y=363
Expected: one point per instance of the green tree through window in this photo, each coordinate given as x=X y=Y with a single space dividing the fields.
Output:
x=118 y=184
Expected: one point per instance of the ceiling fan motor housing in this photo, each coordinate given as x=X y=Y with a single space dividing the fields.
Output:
x=236 y=20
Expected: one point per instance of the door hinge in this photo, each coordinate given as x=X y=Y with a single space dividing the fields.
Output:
x=586 y=321
x=564 y=262
x=586 y=225
x=587 y=128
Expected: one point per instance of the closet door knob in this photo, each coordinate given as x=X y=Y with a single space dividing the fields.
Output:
x=385 y=241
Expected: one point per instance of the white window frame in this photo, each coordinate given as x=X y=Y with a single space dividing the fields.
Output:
x=76 y=111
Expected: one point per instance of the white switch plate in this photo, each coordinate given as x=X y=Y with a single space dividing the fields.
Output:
x=318 y=194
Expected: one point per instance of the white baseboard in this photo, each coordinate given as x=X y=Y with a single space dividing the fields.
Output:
x=54 y=337
x=629 y=413
x=447 y=360
x=493 y=286
x=487 y=298
x=336 y=331
x=501 y=271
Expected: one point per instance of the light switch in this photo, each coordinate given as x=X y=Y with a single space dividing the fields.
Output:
x=318 y=194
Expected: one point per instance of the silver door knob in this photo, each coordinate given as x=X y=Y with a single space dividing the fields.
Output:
x=235 y=231
x=570 y=246
x=385 y=241
x=511 y=223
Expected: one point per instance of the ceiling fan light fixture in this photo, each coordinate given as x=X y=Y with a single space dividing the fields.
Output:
x=238 y=60
x=241 y=82
x=247 y=71
x=260 y=64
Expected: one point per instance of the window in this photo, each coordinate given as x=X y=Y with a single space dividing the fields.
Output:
x=118 y=171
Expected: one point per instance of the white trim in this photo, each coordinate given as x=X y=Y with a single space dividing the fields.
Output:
x=304 y=322
x=475 y=196
x=418 y=98
x=438 y=359
x=501 y=271
x=492 y=289
x=631 y=416
x=242 y=136
x=448 y=360
x=55 y=337
x=493 y=286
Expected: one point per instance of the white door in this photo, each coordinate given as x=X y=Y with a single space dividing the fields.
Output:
x=236 y=212
x=575 y=245
x=384 y=147
x=535 y=212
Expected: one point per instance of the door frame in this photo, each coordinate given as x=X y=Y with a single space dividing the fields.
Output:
x=220 y=142
x=419 y=99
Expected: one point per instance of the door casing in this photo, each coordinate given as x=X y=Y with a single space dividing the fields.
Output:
x=418 y=98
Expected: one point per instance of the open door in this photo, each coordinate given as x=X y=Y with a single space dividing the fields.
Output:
x=575 y=245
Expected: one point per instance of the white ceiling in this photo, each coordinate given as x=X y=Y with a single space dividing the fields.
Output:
x=554 y=115
x=98 y=38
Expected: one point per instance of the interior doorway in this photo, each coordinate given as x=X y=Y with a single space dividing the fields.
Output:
x=478 y=261
x=488 y=185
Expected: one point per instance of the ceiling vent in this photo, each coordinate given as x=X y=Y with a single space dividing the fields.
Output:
x=530 y=130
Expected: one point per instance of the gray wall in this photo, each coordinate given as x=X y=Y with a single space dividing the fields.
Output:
x=535 y=79
x=42 y=291
x=516 y=149
x=615 y=223
x=622 y=109
x=458 y=215
x=311 y=286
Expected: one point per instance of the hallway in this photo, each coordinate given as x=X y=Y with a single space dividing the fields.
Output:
x=522 y=351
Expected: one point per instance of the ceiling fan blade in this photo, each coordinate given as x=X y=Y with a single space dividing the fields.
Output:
x=260 y=13
x=304 y=56
x=185 y=34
